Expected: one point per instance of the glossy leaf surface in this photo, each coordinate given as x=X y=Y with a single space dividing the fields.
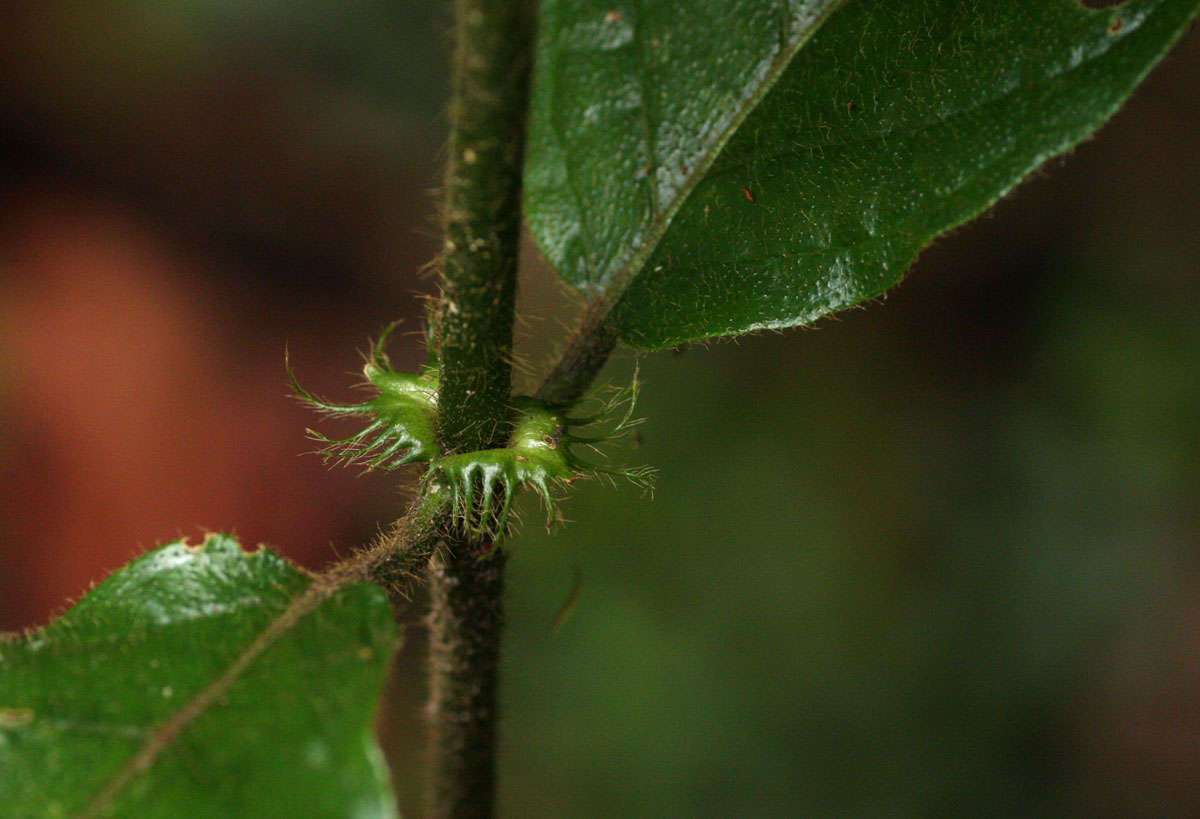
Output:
x=894 y=123
x=631 y=102
x=291 y=736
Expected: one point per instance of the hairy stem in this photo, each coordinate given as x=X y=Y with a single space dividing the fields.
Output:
x=466 y=622
x=581 y=362
x=482 y=218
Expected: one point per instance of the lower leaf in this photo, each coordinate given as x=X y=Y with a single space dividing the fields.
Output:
x=171 y=689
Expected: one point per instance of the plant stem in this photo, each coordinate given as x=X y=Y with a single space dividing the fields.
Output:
x=481 y=223
x=466 y=622
x=581 y=362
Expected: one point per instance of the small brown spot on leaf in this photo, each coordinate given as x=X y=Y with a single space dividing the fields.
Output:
x=614 y=16
x=1115 y=26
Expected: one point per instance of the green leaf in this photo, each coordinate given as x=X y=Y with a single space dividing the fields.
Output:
x=288 y=734
x=631 y=102
x=896 y=122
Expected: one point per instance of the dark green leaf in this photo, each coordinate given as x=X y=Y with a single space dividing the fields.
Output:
x=291 y=736
x=631 y=102
x=896 y=122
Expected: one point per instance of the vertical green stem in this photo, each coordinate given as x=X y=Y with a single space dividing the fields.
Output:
x=466 y=622
x=481 y=223
x=482 y=220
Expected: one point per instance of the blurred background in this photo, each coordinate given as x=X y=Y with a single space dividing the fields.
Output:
x=938 y=556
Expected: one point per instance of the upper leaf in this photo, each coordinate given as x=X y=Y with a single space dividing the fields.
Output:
x=896 y=122
x=631 y=102
x=292 y=735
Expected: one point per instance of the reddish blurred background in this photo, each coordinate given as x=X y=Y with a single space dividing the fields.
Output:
x=180 y=202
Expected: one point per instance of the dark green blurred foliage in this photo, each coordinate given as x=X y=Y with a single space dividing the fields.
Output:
x=873 y=580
